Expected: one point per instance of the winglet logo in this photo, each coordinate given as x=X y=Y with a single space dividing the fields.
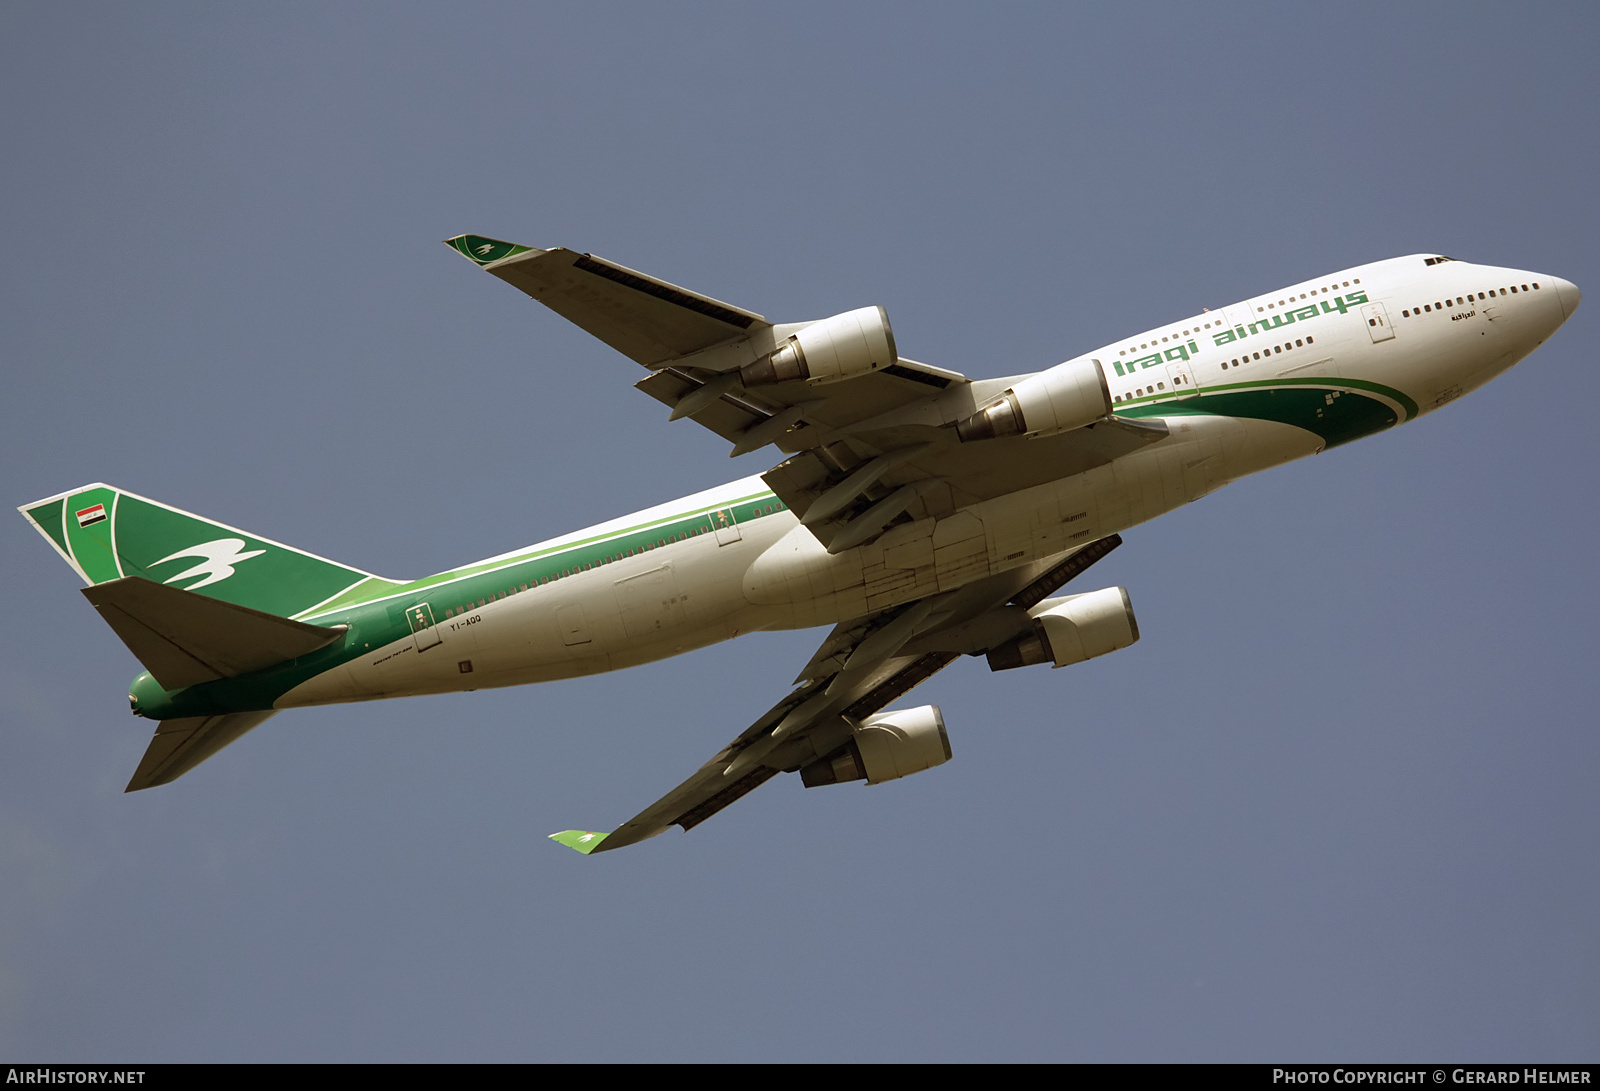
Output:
x=216 y=561
x=485 y=251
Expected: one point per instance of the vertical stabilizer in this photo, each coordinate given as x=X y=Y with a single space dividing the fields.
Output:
x=106 y=534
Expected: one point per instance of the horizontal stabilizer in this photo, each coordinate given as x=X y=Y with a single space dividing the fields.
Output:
x=180 y=745
x=584 y=841
x=184 y=638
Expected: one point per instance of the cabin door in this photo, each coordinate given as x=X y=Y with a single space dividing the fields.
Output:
x=727 y=528
x=423 y=630
x=1377 y=322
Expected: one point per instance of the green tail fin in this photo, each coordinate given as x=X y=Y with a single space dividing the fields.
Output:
x=105 y=533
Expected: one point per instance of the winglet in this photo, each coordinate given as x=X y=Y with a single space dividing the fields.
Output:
x=584 y=841
x=482 y=251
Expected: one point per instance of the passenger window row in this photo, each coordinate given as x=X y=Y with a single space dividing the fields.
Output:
x=1285 y=347
x=1157 y=342
x=1141 y=392
x=1462 y=301
x=1324 y=290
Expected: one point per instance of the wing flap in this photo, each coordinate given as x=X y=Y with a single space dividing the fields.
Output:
x=727 y=416
x=184 y=638
x=932 y=472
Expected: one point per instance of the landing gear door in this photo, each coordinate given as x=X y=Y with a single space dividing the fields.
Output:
x=1377 y=322
x=423 y=629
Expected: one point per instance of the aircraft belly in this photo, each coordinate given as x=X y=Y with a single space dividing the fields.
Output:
x=334 y=686
x=1262 y=444
x=777 y=575
x=928 y=556
x=393 y=670
x=632 y=611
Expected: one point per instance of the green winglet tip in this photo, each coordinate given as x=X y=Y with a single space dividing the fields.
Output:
x=482 y=251
x=584 y=841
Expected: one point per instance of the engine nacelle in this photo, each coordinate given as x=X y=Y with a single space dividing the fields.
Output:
x=842 y=347
x=887 y=746
x=1071 y=629
x=1065 y=397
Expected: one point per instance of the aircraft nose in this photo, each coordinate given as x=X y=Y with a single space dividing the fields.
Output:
x=1568 y=293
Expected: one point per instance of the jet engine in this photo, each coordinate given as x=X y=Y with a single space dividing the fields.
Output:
x=1071 y=629
x=1065 y=397
x=887 y=746
x=834 y=349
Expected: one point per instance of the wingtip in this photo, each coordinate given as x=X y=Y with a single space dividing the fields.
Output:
x=482 y=251
x=584 y=841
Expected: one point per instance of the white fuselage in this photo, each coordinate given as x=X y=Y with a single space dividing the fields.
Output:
x=1228 y=384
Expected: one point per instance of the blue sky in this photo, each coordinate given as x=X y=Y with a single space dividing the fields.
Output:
x=1337 y=803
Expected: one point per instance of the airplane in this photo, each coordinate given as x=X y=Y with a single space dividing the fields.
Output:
x=922 y=514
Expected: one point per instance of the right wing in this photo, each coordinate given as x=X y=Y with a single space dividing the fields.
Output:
x=862 y=667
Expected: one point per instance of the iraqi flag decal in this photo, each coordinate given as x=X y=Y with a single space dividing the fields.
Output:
x=90 y=516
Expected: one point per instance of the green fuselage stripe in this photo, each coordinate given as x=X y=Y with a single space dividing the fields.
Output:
x=374 y=624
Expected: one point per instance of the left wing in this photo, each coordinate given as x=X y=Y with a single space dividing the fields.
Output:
x=872 y=434
x=862 y=667
x=647 y=320
x=701 y=350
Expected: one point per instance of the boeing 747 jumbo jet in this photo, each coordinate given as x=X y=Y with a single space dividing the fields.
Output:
x=922 y=514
